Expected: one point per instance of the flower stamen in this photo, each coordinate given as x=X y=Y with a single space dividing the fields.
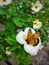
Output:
x=35 y=23
x=25 y=37
x=36 y=6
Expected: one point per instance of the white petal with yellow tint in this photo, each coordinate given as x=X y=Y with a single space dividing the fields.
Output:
x=7 y=51
x=21 y=37
x=1 y=4
x=32 y=50
x=41 y=46
x=8 y=2
x=5 y=2
x=27 y=29
x=37 y=24
x=40 y=5
x=37 y=6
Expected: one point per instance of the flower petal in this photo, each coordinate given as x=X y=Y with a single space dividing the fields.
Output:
x=1 y=4
x=7 y=51
x=37 y=24
x=32 y=50
x=5 y=3
x=39 y=6
x=34 y=9
x=20 y=36
x=38 y=2
x=8 y=2
x=41 y=46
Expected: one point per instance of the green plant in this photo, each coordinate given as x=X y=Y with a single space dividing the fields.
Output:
x=18 y=15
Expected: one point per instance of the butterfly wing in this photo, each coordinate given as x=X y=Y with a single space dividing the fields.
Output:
x=36 y=38
x=29 y=37
x=36 y=35
x=36 y=41
x=33 y=39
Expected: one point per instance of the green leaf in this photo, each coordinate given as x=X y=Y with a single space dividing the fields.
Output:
x=22 y=56
x=12 y=48
x=2 y=11
x=10 y=40
x=18 y=21
x=9 y=26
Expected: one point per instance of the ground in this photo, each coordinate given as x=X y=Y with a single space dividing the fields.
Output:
x=42 y=58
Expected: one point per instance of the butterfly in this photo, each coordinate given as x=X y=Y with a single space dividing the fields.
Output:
x=33 y=39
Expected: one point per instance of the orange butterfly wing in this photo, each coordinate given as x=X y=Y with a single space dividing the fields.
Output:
x=33 y=38
x=29 y=38
x=36 y=38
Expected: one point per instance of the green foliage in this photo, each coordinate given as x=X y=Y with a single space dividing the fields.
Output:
x=22 y=57
x=18 y=21
x=18 y=15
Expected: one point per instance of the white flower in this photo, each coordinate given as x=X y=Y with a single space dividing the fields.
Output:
x=37 y=6
x=7 y=51
x=21 y=38
x=5 y=2
x=42 y=11
x=37 y=24
x=20 y=5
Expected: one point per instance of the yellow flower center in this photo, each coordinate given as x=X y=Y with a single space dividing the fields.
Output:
x=25 y=37
x=7 y=51
x=2 y=0
x=35 y=23
x=36 y=6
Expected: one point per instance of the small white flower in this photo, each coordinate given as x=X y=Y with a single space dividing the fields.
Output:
x=20 y=5
x=42 y=11
x=37 y=24
x=5 y=2
x=7 y=51
x=37 y=6
x=21 y=38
